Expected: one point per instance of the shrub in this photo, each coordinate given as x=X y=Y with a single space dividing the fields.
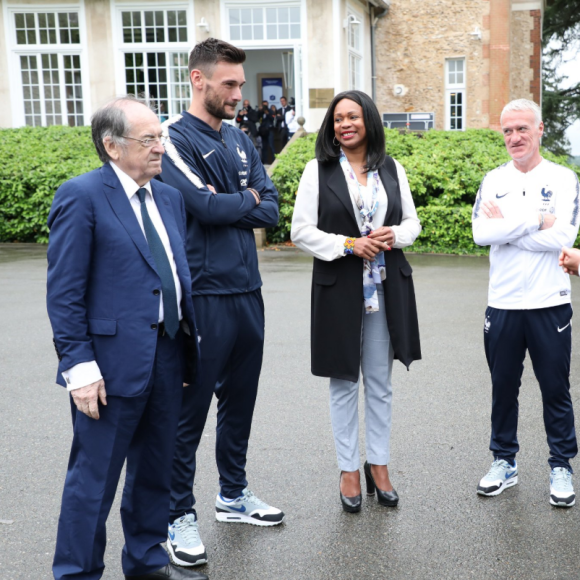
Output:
x=35 y=162
x=444 y=169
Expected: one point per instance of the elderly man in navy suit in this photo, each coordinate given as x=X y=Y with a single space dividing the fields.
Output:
x=119 y=301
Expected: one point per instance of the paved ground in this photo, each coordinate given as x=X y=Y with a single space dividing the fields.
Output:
x=441 y=529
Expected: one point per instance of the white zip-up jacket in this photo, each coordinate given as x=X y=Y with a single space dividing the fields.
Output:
x=524 y=271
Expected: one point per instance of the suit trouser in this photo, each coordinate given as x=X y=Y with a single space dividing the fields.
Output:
x=546 y=333
x=231 y=330
x=376 y=365
x=140 y=429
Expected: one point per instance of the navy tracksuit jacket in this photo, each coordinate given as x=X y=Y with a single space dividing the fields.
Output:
x=222 y=257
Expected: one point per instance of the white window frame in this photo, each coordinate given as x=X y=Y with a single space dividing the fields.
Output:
x=15 y=51
x=452 y=89
x=121 y=47
x=266 y=42
x=355 y=53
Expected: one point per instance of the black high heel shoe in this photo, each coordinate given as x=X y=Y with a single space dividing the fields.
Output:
x=386 y=498
x=350 y=504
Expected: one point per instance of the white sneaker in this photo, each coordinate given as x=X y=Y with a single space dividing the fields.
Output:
x=184 y=543
x=247 y=509
x=561 y=489
x=500 y=476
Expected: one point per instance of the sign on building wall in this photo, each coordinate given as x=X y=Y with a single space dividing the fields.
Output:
x=411 y=121
x=272 y=90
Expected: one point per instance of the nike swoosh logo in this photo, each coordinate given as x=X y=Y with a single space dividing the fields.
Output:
x=208 y=154
x=508 y=475
x=240 y=509
x=565 y=327
x=500 y=196
x=172 y=536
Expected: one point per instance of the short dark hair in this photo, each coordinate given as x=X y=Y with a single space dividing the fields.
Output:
x=110 y=121
x=206 y=54
x=327 y=151
x=283 y=97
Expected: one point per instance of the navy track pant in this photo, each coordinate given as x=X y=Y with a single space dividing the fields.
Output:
x=546 y=333
x=231 y=328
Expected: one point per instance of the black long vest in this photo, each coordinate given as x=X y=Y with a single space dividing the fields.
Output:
x=337 y=286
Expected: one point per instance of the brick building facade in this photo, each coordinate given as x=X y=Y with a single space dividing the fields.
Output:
x=460 y=59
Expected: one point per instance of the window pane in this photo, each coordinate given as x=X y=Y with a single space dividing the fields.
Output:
x=272 y=31
x=258 y=15
x=283 y=15
x=295 y=14
x=234 y=16
x=259 y=32
x=171 y=18
x=19 y=20
x=295 y=31
x=148 y=18
x=246 y=15
x=235 y=33
x=181 y=18
x=283 y=31
x=271 y=15
x=459 y=78
x=247 y=32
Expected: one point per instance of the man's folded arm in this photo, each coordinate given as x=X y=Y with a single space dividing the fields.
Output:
x=264 y=215
x=488 y=232
x=180 y=171
x=565 y=228
x=69 y=261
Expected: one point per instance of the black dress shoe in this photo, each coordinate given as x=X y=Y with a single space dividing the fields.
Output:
x=350 y=504
x=170 y=572
x=386 y=498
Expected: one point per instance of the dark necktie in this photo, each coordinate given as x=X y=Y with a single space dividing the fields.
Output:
x=170 y=314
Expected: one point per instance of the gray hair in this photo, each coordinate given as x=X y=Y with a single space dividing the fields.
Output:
x=110 y=121
x=523 y=105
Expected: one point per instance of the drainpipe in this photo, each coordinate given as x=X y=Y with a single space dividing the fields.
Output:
x=374 y=18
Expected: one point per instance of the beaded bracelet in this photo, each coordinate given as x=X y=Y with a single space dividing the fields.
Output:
x=349 y=246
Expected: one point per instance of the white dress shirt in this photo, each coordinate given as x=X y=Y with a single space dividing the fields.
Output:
x=86 y=373
x=324 y=246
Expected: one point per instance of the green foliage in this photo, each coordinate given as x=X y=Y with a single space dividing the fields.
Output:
x=560 y=98
x=446 y=230
x=35 y=162
x=444 y=169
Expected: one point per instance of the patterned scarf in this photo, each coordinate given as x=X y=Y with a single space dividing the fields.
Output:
x=374 y=271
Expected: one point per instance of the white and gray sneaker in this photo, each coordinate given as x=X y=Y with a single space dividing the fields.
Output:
x=184 y=543
x=561 y=489
x=500 y=476
x=247 y=509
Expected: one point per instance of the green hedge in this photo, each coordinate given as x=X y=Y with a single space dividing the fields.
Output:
x=444 y=169
x=35 y=162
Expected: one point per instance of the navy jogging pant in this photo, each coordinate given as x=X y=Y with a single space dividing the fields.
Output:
x=231 y=328
x=546 y=333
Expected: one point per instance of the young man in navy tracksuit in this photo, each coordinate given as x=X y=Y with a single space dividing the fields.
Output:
x=227 y=194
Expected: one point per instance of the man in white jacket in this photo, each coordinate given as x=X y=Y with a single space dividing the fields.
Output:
x=527 y=210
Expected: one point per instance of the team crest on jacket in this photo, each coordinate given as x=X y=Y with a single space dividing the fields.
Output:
x=242 y=154
x=546 y=195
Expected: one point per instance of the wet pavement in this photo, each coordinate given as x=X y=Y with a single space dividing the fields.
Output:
x=441 y=528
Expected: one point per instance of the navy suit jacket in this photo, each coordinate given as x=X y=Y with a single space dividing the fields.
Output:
x=103 y=287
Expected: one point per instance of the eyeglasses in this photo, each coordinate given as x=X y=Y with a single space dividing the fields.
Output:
x=149 y=142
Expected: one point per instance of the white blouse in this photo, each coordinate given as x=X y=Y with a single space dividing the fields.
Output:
x=324 y=246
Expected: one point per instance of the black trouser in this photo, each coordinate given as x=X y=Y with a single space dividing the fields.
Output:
x=546 y=333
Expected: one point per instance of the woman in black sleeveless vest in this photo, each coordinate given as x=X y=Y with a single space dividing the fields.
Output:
x=354 y=212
